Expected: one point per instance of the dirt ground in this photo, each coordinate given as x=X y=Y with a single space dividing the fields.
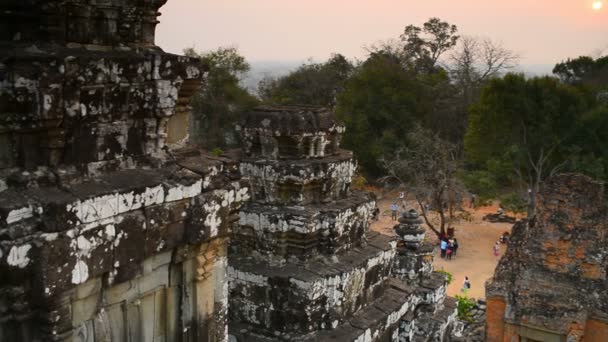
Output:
x=475 y=257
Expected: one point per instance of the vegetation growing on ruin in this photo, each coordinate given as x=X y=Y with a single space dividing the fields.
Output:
x=448 y=276
x=465 y=306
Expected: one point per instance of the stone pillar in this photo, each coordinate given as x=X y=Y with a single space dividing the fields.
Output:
x=414 y=259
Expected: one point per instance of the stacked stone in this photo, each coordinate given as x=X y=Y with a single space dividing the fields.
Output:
x=435 y=315
x=552 y=283
x=303 y=264
x=106 y=233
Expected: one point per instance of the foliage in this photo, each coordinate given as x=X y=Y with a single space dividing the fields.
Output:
x=584 y=70
x=513 y=202
x=465 y=305
x=425 y=45
x=428 y=165
x=217 y=151
x=359 y=182
x=221 y=100
x=482 y=183
x=380 y=103
x=311 y=84
x=524 y=123
x=448 y=276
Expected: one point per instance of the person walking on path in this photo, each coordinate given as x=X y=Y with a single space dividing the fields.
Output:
x=443 y=246
x=473 y=198
x=497 y=249
x=454 y=247
x=394 y=211
x=466 y=285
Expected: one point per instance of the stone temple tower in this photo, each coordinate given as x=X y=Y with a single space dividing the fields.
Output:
x=303 y=265
x=108 y=232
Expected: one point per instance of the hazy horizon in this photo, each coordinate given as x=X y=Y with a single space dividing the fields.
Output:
x=541 y=32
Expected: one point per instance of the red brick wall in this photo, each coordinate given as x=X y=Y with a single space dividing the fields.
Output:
x=495 y=326
x=596 y=331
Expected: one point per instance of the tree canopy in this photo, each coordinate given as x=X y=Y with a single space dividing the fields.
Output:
x=311 y=84
x=526 y=124
x=221 y=100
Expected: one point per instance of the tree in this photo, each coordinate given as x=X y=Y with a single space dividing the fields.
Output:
x=477 y=60
x=424 y=46
x=379 y=105
x=584 y=70
x=311 y=84
x=428 y=165
x=526 y=123
x=221 y=100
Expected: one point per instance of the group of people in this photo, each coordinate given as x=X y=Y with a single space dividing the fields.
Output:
x=448 y=247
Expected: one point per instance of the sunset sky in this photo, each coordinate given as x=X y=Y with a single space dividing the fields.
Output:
x=541 y=31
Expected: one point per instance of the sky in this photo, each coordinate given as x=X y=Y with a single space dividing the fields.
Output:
x=540 y=31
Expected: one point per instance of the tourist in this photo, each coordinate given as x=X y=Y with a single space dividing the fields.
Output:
x=394 y=211
x=497 y=249
x=443 y=246
x=504 y=238
x=449 y=250
x=473 y=198
x=402 y=199
x=466 y=284
x=454 y=248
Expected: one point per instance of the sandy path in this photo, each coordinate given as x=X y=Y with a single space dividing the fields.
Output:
x=475 y=258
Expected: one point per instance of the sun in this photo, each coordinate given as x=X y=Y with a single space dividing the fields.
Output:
x=597 y=5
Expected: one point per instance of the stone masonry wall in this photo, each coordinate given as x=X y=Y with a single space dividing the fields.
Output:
x=552 y=283
x=108 y=230
x=303 y=265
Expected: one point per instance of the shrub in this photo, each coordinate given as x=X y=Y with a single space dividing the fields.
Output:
x=513 y=202
x=217 y=151
x=359 y=182
x=449 y=277
x=465 y=305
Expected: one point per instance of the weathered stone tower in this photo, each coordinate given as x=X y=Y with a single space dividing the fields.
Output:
x=552 y=284
x=303 y=264
x=107 y=233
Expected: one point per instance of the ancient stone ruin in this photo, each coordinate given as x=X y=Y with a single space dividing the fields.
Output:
x=108 y=232
x=552 y=283
x=303 y=265
x=112 y=229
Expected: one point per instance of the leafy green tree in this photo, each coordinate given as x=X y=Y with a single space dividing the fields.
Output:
x=584 y=70
x=527 y=124
x=587 y=152
x=379 y=105
x=221 y=100
x=423 y=46
x=311 y=84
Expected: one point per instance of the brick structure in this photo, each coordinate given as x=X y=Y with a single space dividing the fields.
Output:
x=303 y=264
x=108 y=232
x=552 y=283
